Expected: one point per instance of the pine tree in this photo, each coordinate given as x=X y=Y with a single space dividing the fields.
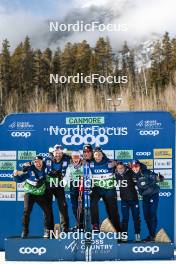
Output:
x=103 y=53
x=5 y=76
x=166 y=59
x=156 y=66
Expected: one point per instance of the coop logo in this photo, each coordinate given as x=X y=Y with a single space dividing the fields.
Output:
x=23 y=134
x=101 y=171
x=149 y=132
x=148 y=249
x=6 y=175
x=86 y=135
x=87 y=139
x=143 y=154
x=45 y=155
x=165 y=194
x=36 y=251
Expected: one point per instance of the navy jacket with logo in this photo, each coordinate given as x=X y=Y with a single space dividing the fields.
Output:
x=33 y=176
x=53 y=166
x=146 y=182
x=102 y=173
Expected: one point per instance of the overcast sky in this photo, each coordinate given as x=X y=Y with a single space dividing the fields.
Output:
x=144 y=19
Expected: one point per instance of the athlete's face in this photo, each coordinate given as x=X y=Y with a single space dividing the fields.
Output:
x=76 y=159
x=120 y=168
x=87 y=154
x=38 y=164
x=136 y=169
x=58 y=154
x=98 y=156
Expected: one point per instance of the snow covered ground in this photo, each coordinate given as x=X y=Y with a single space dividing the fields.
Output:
x=2 y=261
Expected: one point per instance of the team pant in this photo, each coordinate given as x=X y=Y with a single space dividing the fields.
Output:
x=29 y=201
x=74 y=194
x=126 y=206
x=150 y=206
x=109 y=197
x=59 y=194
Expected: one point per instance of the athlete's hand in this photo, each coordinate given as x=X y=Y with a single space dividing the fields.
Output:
x=15 y=173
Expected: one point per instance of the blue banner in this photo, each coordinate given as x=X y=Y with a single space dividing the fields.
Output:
x=146 y=136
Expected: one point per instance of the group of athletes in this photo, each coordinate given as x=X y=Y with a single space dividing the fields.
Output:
x=40 y=177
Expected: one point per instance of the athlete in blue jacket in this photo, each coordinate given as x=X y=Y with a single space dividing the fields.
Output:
x=34 y=188
x=148 y=188
x=103 y=186
x=56 y=167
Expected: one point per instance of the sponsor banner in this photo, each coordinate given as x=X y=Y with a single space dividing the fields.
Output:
x=7 y=155
x=5 y=175
x=123 y=154
x=7 y=196
x=103 y=247
x=147 y=162
x=163 y=153
x=167 y=173
x=85 y=120
x=109 y=153
x=162 y=163
x=20 y=196
x=20 y=186
x=7 y=186
x=166 y=184
x=26 y=154
x=7 y=165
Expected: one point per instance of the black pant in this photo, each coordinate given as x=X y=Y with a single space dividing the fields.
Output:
x=109 y=197
x=150 y=207
x=29 y=200
x=59 y=194
x=126 y=206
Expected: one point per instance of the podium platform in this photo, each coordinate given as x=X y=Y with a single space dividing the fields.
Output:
x=39 y=249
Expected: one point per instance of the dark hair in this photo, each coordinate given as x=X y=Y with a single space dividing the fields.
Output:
x=98 y=149
x=120 y=163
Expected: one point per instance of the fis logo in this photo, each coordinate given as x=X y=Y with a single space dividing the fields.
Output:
x=148 y=249
x=73 y=246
